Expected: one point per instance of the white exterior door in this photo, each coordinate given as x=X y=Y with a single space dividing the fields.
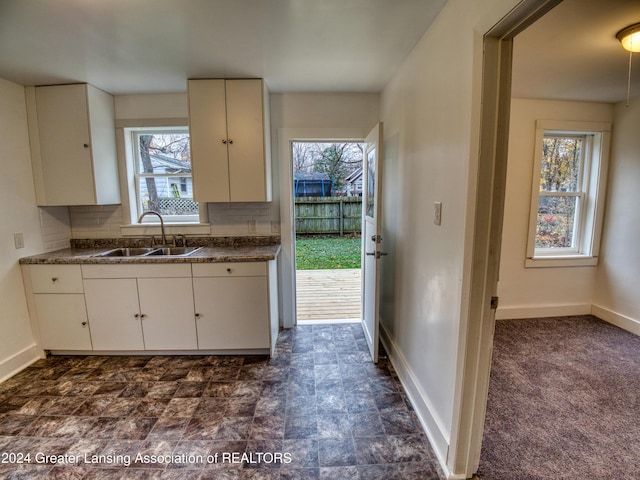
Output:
x=372 y=241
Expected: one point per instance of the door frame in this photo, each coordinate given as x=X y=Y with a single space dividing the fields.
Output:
x=490 y=185
x=287 y=257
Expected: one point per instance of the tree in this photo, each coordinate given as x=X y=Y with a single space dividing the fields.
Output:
x=337 y=160
x=147 y=167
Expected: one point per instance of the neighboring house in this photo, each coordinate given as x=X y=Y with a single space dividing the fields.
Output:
x=173 y=187
x=353 y=183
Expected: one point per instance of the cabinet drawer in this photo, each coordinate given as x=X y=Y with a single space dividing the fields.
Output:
x=164 y=270
x=56 y=279
x=237 y=269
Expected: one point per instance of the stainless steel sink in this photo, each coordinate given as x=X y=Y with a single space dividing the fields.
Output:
x=127 y=252
x=174 y=251
x=145 y=252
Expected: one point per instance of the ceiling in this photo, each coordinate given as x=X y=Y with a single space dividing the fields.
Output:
x=572 y=53
x=153 y=46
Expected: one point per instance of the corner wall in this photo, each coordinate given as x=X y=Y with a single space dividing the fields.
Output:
x=615 y=296
x=431 y=114
x=538 y=292
x=19 y=215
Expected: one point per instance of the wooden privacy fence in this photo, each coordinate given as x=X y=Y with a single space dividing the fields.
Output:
x=319 y=215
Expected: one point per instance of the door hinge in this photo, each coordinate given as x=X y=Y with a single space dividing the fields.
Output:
x=494 y=303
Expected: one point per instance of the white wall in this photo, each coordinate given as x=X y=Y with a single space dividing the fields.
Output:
x=616 y=291
x=431 y=114
x=18 y=215
x=532 y=292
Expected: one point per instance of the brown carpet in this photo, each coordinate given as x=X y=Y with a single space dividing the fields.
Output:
x=564 y=401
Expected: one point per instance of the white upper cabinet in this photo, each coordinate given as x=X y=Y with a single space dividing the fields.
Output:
x=73 y=149
x=228 y=122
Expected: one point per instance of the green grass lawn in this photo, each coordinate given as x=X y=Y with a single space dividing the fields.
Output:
x=322 y=253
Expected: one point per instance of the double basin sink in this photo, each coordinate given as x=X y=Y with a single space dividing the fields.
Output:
x=149 y=252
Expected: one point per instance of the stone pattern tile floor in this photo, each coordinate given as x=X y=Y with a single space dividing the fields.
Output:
x=318 y=409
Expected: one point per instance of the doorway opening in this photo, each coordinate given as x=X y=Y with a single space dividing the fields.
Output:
x=327 y=202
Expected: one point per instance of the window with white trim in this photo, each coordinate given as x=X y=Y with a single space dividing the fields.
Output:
x=568 y=190
x=160 y=162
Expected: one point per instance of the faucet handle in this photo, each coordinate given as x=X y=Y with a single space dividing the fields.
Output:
x=182 y=236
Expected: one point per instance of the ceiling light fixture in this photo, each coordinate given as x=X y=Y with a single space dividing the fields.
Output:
x=630 y=39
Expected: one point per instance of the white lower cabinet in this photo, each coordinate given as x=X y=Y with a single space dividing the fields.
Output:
x=62 y=320
x=232 y=313
x=140 y=307
x=166 y=308
x=55 y=292
x=114 y=311
x=161 y=307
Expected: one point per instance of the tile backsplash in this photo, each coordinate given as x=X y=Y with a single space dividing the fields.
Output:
x=56 y=228
x=61 y=224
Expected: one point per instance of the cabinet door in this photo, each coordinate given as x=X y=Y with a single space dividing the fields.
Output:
x=245 y=126
x=114 y=313
x=208 y=137
x=62 y=320
x=63 y=127
x=232 y=312
x=166 y=306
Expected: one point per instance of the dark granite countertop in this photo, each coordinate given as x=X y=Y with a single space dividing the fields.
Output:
x=225 y=250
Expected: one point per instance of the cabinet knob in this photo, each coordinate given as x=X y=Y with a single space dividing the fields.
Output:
x=136 y=315
x=85 y=145
x=230 y=142
x=228 y=270
x=197 y=315
x=143 y=315
x=84 y=324
x=224 y=140
x=54 y=279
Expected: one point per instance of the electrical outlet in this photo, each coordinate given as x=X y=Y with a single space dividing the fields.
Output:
x=252 y=226
x=437 y=213
x=18 y=240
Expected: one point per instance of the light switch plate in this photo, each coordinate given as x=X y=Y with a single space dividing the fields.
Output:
x=18 y=240
x=437 y=213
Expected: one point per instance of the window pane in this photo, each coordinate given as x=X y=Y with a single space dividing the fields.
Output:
x=560 y=168
x=168 y=195
x=164 y=153
x=556 y=222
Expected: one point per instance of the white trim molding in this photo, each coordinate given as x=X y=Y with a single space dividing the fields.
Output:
x=619 y=320
x=19 y=361
x=542 y=311
x=431 y=424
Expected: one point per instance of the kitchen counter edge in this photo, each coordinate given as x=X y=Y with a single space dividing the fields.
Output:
x=72 y=256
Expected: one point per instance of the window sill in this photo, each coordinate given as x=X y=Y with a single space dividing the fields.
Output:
x=561 y=261
x=142 y=229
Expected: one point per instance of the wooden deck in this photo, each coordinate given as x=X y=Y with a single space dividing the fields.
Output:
x=328 y=295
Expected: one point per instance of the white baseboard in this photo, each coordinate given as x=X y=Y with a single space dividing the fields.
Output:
x=19 y=361
x=542 y=311
x=419 y=400
x=627 y=323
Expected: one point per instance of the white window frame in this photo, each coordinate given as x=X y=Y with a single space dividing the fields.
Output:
x=590 y=197
x=135 y=176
